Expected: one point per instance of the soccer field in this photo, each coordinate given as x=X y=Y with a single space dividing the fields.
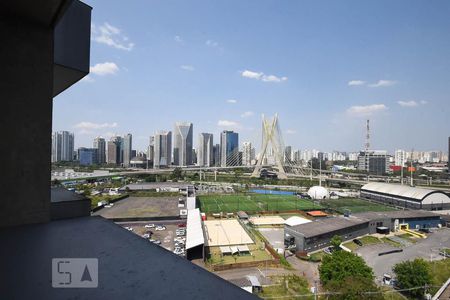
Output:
x=253 y=203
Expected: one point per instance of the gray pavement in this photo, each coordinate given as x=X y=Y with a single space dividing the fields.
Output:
x=275 y=236
x=424 y=248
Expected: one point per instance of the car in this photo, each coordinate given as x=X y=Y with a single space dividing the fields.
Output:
x=146 y=236
x=150 y=226
x=129 y=228
x=157 y=242
x=328 y=250
x=159 y=228
x=182 y=225
x=357 y=242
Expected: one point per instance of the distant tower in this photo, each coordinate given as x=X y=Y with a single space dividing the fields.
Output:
x=367 y=145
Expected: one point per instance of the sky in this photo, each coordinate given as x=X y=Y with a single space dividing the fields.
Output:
x=323 y=66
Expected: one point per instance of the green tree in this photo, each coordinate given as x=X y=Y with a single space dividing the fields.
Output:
x=343 y=264
x=413 y=273
x=353 y=288
x=336 y=242
x=177 y=173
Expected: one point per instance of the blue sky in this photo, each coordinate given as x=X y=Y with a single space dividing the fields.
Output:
x=323 y=66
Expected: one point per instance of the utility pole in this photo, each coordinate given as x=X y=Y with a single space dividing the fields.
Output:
x=411 y=167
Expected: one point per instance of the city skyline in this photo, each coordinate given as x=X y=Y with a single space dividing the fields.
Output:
x=174 y=62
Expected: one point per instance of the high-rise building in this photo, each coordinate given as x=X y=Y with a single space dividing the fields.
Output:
x=114 y=150
x=205 y=150
x=87 y=156
x=448 y=156
x=127 y=149
x=247 y=153
x=62 y=146
x=216 y=154
x=400 y=158
x=151 y=149
x=374 y=162
x=100 y=145
x=163 y=146
x=288 y=154
x=229 y=148
x=182 y=148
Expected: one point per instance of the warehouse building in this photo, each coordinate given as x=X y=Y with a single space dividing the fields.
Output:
x=406 y=196
x=317 y=235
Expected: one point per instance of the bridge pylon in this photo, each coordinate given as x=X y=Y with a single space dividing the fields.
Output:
x=271 y=134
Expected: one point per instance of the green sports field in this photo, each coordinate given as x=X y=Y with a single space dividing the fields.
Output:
x=253 y=203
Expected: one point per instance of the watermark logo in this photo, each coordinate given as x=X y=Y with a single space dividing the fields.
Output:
x=75 y=272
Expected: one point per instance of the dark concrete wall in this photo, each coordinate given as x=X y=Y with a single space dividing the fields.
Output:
x=26 y=82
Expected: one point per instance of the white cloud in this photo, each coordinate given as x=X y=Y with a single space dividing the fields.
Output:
x=273 y=78
x=227 y=123
x=105 y=68
x=366 y=110
x=251 y=74
x=111 y=36
x=93 y=126
x=410 y=103
x=211 y=43
x=291 y=131
x=383 y=83
x=247 y=114
x=356 y=82
x=178 y=39
x=262 y=76
x=187 y=67
x=232 y=101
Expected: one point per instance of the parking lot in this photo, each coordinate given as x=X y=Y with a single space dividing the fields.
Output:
x=424 y=248
x=165 y=237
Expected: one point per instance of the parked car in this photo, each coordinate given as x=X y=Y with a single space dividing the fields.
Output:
x=146 y=236
x=182 y=225
x=357 y=242
x=129 y=228
x=328 y=250
x=150 y=226
x=159 y=228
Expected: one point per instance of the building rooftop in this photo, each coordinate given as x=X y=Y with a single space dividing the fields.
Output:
x=129 y=266
x=154 y=185
x=398 y=190
x=194 y=232
x=325 y=225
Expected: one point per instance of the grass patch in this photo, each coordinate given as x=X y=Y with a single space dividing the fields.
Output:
x=253 y=203
x=257 y=253
x=365 y=240
x=287 y=287
x=354 y=205
x=440 y=272
x=391 y=242
x=408 y=237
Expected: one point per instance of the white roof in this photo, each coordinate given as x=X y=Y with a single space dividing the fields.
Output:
x=267 y=220
x=234 y=249
x=296 y=220
x=194 y=232
x=397 y=190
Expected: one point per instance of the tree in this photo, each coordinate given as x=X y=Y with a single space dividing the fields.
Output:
x=336 y=242
x=343 y=264
x=413 y=273
x=177 y=173
x=354 y=288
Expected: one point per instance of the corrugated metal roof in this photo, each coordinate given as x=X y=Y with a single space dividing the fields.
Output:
x=194 y=231
x=397 y=190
